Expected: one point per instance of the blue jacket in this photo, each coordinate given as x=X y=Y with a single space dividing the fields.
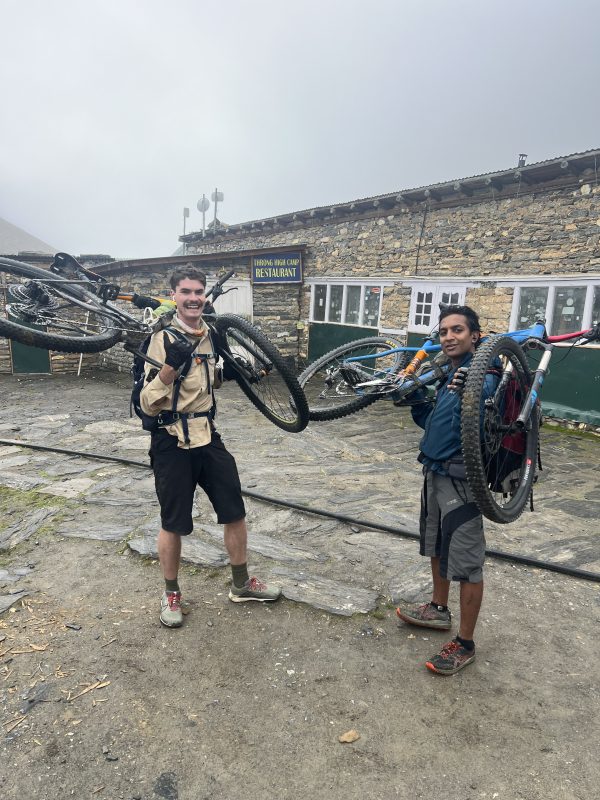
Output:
x=441 y=421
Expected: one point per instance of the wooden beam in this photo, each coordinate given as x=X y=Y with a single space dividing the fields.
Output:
x=462 y=187
x=495 y=183
x=570 y=166
x=522 y=177
x=384 y=202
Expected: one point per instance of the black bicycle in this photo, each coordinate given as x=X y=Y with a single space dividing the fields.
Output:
x=71 y=309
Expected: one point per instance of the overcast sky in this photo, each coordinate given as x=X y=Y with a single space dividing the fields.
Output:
x=118 y=113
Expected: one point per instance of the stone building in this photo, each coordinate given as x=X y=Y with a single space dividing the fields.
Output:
x=516 y=245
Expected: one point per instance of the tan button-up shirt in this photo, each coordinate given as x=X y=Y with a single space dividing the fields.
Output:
x=195 y=393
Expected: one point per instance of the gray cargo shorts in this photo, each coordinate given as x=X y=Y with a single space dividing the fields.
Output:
x=451 y=528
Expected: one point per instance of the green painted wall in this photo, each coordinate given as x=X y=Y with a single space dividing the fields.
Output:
x=27 y=359
x=323 y=337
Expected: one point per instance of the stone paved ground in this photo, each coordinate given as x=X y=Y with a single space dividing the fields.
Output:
x=362 y=466
x=522 y=722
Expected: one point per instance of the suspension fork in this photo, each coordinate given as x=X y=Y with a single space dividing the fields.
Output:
x=536 y=385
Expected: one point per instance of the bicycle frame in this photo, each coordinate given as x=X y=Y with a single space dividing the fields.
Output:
x=405 y=382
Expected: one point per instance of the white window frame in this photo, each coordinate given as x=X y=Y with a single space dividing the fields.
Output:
x=553 y=285
x=345 y=283
x=437 y=289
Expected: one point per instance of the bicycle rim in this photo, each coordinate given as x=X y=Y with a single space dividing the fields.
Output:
x=500 y=460
x=329 y=383
x=262 y=373
x=43 y=311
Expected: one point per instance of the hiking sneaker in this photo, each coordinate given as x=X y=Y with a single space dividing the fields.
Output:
x=427 y=616
x=170 y=609
x=254 y=589
x=452 y=657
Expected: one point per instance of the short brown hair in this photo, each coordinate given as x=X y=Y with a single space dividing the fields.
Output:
x=188 y=271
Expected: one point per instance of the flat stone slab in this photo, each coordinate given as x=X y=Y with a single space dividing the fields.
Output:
x=110 y=428
x=328 y=595
x=412 y=583
x=101 y=529
x=26 y=527
x=193 y=551
x=22 y=482
x=9 y=450
x=14 y=461
x=8 y=600
x=269 y=547
x=141 y=443
x=68 y=489
x=14 y=575
x=74 y=466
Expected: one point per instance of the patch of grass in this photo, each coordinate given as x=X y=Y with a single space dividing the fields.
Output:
x=559 y=430
x=378 y=613
x=16 y=502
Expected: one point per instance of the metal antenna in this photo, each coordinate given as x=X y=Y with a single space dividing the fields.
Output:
x=202 y=206
x=186 y=213
x=217 y=197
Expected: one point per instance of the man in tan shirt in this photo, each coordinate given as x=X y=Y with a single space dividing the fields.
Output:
x=186 y=450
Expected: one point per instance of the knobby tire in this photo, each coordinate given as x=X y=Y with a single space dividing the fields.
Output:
x=477 y=434
x=344 y=406
x=277 y=395
x=75 y=343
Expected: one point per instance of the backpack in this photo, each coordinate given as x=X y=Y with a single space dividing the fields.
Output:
x=138 y=374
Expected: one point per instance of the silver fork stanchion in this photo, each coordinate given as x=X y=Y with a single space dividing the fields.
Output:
x=87 y=319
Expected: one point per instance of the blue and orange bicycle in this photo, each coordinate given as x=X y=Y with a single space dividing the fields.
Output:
x=499 y=435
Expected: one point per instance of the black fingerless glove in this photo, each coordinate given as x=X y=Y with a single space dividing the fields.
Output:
x=176 y=352
x=457 y=384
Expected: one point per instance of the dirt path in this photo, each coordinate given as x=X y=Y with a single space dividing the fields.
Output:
x=98 y=701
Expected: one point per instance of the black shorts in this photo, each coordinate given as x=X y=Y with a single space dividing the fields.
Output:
x=177 y=472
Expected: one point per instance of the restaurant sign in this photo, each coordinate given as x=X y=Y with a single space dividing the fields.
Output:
x=277 y=268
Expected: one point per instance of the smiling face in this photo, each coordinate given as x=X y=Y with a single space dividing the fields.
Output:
x=190 y=299
x=456 y=338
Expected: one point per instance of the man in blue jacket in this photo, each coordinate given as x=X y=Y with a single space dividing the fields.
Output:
x=451 y=525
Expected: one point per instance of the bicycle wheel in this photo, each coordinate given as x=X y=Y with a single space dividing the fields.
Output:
x=68 y=318
x=262 y=374
x=500 y=458
x=329 y=383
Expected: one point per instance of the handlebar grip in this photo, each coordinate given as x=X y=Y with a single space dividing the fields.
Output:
x=141 y=301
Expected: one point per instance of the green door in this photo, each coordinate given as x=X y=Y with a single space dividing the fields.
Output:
x=27 y=359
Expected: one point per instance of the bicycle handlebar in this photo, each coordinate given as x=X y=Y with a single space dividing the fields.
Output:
x=216 y=289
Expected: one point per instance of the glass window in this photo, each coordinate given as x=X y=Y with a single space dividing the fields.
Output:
x=336 y=295
x=423 y=308
x=352 y=305
x=450 y=298
x=319 y=305
x=596 y=305
x=532 y=306
x=371 y=309
x=568 y=309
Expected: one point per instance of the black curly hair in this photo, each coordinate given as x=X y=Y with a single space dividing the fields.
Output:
x=465 y=311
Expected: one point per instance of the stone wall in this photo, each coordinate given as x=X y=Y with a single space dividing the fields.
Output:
x=540 y=232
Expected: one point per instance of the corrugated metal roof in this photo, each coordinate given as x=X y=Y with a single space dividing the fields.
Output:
x=535 y=172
